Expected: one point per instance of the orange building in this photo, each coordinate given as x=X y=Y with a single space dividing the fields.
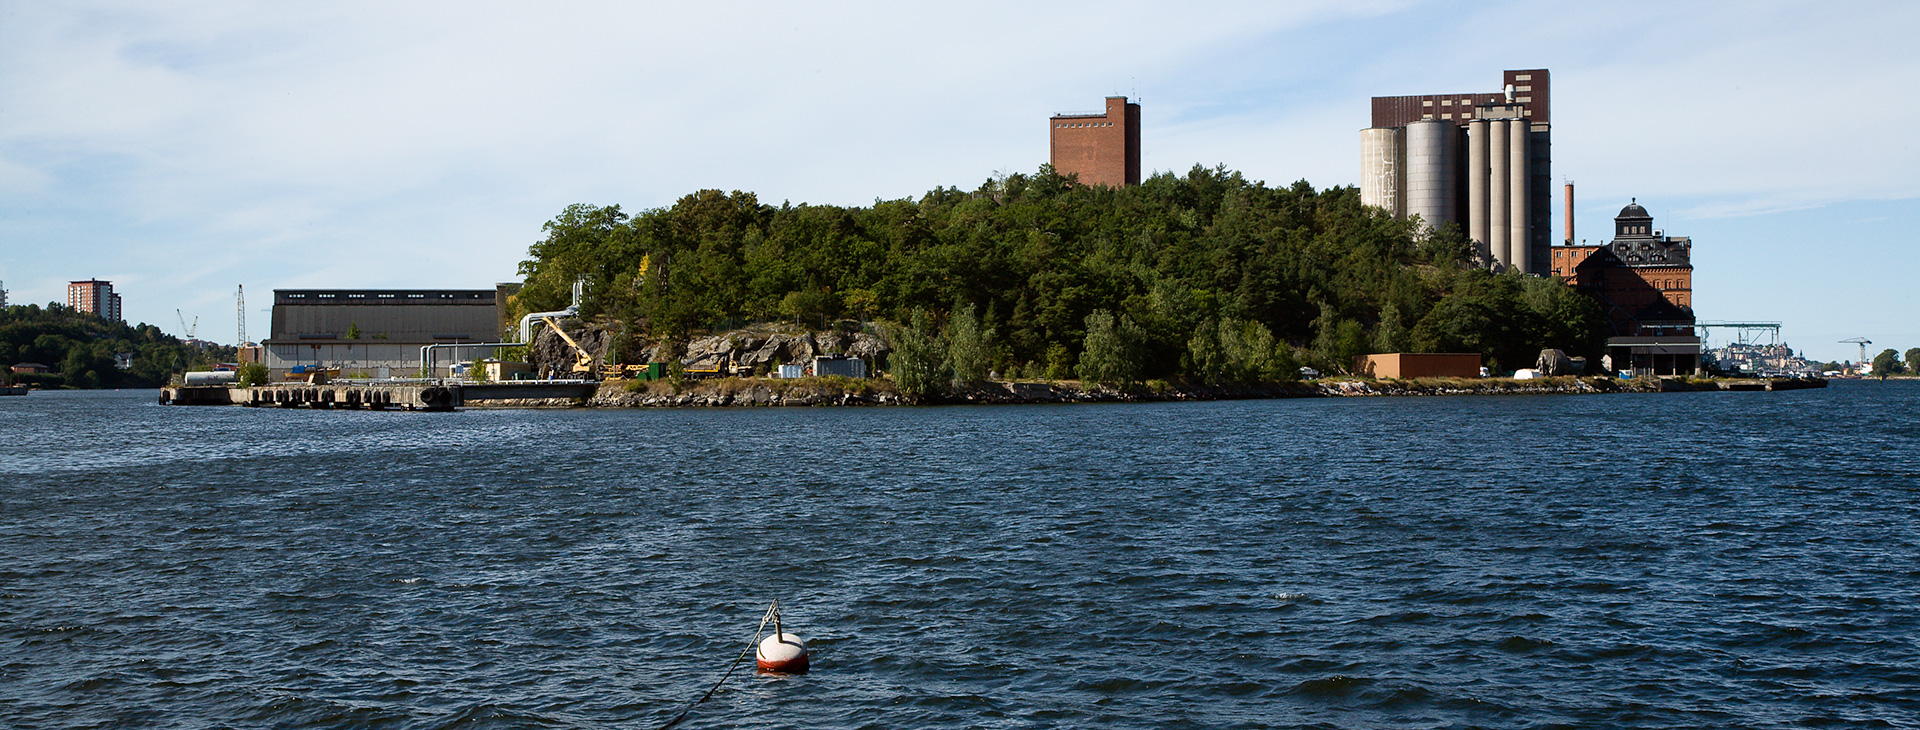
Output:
x=1102 y=149
x=1419 y=365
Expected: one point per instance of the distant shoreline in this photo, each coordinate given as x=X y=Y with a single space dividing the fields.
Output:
x=748 y=393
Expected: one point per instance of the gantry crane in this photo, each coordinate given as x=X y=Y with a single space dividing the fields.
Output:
x=1862 y=342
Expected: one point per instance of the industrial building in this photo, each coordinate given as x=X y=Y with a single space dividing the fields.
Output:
x=96 y=296
x=379 y=332
x=1643 y=278
x=1102 y=148
x=1482 y=161
x=1419 y=365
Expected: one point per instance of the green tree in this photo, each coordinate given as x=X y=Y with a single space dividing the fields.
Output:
x=1912 y=360
x=969 y=346
x=918 y=362
x=1249 y=352
x=1887 y=363
x=1111 y=356
x=252 y=374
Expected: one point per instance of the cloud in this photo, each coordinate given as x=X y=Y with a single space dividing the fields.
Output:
x=361 y=144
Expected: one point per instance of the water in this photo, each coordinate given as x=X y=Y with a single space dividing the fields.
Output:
x=1625 y=561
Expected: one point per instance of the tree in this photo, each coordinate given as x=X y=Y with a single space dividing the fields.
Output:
x=1886 y=363
x=918 y=363
x=1111 y=355
x=1913 y=361
x=253 y=373
x=969 y=347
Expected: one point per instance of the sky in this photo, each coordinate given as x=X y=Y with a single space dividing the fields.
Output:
x=184 y=149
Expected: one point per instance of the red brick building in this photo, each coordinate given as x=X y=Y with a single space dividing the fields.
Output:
x=1643 y=279
x=1102 y=149
x=96 y=296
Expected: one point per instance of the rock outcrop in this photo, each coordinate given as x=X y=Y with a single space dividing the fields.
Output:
x=760 y=347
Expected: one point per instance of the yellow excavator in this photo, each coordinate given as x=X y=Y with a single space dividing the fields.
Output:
x=582 y=360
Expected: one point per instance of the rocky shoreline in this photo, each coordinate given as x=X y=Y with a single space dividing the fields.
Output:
x=735 y=392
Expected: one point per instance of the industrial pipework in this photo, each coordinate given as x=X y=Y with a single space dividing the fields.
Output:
x=526 y=323
x=526 y=330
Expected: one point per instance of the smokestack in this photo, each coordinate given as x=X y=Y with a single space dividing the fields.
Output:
x=1569 y=214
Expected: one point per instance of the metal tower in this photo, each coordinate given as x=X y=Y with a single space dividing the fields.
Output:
x=1862 y=342
x=240 y=305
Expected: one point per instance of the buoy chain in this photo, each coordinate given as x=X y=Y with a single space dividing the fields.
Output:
x=773 y=614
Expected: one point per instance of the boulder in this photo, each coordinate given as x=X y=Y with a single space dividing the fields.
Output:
x=1554 y=362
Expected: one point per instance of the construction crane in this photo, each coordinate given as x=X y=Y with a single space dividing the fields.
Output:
x=240 y=304
x=1862 y=342
x=189 y=329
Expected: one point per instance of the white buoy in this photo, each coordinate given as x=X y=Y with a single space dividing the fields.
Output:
x=782 y=652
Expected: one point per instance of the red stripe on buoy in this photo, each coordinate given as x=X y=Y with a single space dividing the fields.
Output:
x=782 y=653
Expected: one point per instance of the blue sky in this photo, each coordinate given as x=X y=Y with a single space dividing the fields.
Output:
x=181 y=149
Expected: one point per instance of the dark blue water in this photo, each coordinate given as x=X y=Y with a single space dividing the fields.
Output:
x=1625 y=561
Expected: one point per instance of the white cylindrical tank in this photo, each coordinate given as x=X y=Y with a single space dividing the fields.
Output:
x=1497 y=189
x=217 y=377
x=1519 y=243
x=1477 y=186
x=1383 y=156
x=1432 y=149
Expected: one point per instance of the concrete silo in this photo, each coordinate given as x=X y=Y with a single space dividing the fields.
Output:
x=1433 y=149
x=1477 y=187
x=1383 y=165
x=1520 y=245
x=1498 y=188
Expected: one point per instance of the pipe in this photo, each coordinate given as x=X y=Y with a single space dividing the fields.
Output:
x=426 y=352
x=526 y=323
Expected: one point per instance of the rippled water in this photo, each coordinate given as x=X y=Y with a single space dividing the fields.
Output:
x=1626 y=561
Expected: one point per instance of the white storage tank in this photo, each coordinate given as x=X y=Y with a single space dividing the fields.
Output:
x=217 y=377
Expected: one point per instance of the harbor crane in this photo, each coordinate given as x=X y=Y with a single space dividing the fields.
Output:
x=1862 y=342
x=240 y=303
x=189 y=329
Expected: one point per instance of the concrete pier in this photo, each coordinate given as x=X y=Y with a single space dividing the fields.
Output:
x=410 y=395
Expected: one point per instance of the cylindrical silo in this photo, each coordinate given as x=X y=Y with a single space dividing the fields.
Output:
x=1383 y=169
x=1518 y=213
x=1477 y=186
x=1432 y=150
x=1498 y=169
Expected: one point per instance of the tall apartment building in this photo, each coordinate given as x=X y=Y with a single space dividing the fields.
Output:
x=96 y=296
x=1103 y=149
x=1479 y=160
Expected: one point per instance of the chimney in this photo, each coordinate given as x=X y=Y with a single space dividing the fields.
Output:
x=1569 y=214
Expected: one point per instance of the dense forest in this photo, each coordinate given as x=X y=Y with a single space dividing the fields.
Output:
x=80 y=348
x=1206 y=277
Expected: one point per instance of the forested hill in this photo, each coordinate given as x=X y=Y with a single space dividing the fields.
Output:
x=1206 y=276
x=80 y=348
